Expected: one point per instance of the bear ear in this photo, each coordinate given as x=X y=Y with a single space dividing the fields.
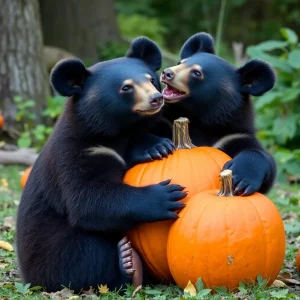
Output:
x=199 y=42
x=68 y=76
x=257 y=77
x=145 y=49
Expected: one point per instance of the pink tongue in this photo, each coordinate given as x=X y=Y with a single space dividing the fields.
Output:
x=169 y=90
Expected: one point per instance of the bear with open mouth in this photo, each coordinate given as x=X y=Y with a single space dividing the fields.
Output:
x=215 y=96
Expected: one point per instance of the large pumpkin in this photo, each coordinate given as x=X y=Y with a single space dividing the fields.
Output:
x=196 y=168
x=24 y=176
x=225 y=239
x=1 y=121
x=298 y=261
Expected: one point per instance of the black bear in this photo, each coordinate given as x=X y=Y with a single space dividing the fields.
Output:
x=75 y=207
x=215 y=96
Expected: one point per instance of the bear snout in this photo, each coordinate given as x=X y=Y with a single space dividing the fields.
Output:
x=156 y=100
x=167 y=74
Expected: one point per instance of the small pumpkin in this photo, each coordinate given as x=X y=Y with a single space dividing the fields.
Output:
x=298 y=261
x=24 y=176
x=1 y=121
x=225 y=239
x=196 y=168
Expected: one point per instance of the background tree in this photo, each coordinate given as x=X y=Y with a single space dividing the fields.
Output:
x=79 y=26
x=22 y=68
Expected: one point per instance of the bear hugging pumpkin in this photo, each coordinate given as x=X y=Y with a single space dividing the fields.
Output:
x=196 y=168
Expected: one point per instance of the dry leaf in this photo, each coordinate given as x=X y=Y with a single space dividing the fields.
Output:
x=4 y=182
x=88 y=292
x=103 y=289
x=7 y=246
x=284 y=275
x=291 y=281
x=3 y=266
x=190 y=288
x=63 y=294
x=278 y=283
x=136 y=290
x=9 y=222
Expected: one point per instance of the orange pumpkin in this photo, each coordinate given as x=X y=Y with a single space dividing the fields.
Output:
x=1 y=121
x=225 y=239
x=298 y=261
x=24 y=176
x=196 y=168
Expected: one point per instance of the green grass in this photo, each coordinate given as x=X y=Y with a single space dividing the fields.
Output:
x=286 y=199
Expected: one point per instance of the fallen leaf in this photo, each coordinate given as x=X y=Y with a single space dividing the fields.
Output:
x=6 y=246
x=284 y=275
x=88 y=292
x=103 y=289
x=3 y=266
x=9 y=222
x=278 y=283
x=63 y=294
x=241 y=296
x=136 y=290
x=190 y=288
x=291 y=281
x=4 y=182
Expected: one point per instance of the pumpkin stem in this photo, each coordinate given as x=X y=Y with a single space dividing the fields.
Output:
x=226 y=184
x=181 y=137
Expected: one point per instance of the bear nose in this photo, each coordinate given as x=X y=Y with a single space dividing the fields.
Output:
x=156 y=99
x=168 y=74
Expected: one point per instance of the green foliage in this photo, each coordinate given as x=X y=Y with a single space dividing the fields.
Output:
x=136 y=25
x=32 y=134
x=112 y=49
x=22 y=289
x=130 y=27
x=278 y=118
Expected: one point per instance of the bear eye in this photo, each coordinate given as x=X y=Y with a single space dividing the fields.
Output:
x=152 y=80
x=127 y=88
x=197 y=73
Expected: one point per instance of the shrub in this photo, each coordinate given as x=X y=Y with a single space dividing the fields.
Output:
x=278 y=111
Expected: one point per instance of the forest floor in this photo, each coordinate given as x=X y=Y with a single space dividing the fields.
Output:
x=286 y=198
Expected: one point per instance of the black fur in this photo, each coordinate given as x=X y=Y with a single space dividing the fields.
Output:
x=219 y=105
x=144 y=49
x=75 y=207
x=199 y=42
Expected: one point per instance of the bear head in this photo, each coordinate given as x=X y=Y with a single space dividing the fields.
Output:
x=209 y=86
x=112 y=95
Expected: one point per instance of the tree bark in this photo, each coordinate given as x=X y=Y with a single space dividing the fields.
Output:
x=22 y=68
x=79 y=26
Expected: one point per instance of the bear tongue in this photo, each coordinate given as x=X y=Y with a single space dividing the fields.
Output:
x=169 y=90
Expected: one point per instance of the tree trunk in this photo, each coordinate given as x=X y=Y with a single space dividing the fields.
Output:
x=22 y=68
x=79 y=26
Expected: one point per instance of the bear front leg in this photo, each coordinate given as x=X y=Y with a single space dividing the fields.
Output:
x=253 y=168
x=253 y=171
x=148 y=147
